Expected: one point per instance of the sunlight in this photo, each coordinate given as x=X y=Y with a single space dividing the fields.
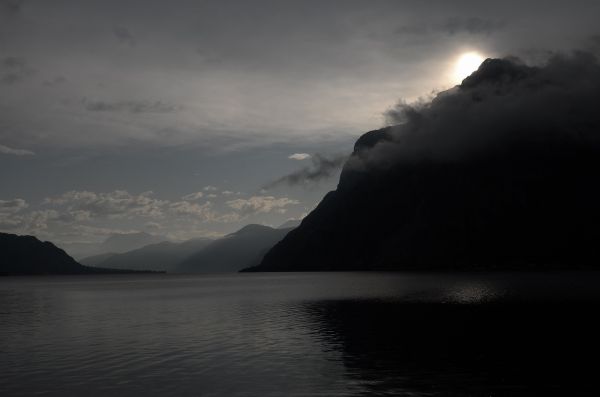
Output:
x=466 y=64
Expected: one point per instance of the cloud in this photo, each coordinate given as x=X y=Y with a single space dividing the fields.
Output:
x=13 y=219
x=116 y=204
x=14 y=70
x=505 y=104
x=86 y=215
x=34 y=222
x=16 y=152
x=453 y=26
x=12 y=206
x=210 y=188
x=321 y=168
x=11 y=6
x=193 y=196
x=203 y=212
x=227 y=192
x=124 y=35
x=120 y=204
x=56 y=81
x=299 y=156
x=130 y=106
x=258 y=204
x=153 y=225
x=470 y=25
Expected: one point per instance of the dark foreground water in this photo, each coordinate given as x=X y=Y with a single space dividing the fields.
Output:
x=301 y=335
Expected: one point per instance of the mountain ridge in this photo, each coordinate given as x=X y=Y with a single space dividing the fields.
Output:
x=469 y=181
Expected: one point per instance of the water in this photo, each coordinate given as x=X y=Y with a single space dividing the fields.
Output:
x=326 y=334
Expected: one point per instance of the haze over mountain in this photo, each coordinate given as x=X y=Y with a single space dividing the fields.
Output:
x=162 y=256
x=235 y=251
x=26 y=255
x=498 y=172
x=292 y=223
x=114 y=244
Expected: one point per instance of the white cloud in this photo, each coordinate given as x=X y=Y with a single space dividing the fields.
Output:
x=258 y=204
x=193 y=196
x=210 y=188
x=299 y=156
x=203 y=211
x=116 y=204
x=17 y=152
x=227 y=193
x=12 y=206
x=87 y=216
x=153 y=225
x=34 y=222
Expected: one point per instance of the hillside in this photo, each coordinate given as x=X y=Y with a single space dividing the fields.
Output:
x=497 y=173
x=163 y=256
x=235 y=251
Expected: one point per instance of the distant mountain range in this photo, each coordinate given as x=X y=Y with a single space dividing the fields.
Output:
x=162 y=256
x=115 y=244
x=26 y=255
x=233 y=252
x=227 y=254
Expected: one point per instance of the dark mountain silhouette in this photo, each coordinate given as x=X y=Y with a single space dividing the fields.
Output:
x=499 y=172
x=159 y=257
x=26 y=255
x=235 y=251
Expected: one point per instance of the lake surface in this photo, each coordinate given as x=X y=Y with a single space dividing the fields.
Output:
x=300 y=334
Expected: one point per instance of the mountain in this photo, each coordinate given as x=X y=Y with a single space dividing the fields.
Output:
x=114 y=244
x=492 y=174
x=26 y=255
x=95 y=260
x=235 y=251
x=123 y=242
x=159 y=257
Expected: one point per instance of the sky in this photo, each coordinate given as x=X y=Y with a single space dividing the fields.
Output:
x=194 y=118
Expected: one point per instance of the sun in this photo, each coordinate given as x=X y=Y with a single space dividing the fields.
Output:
x=466 y=64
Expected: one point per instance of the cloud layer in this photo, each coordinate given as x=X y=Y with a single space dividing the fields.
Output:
x=16 y=152
x=504 y=104
x=86 y=215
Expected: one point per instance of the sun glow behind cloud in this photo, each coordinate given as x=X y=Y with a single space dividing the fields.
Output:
x=466 y=64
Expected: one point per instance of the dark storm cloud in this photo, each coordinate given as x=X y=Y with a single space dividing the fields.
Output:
x=253 y=68
x=11 y=7
x=14 y=70
x=453 y=26
x=58 y=80
x=322 y=167
x=472 y=25
x=506 y=104
x=593 y=44
x=124 y=35
x=130 y=106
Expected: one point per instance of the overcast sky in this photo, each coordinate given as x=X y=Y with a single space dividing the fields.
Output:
x=171 y=116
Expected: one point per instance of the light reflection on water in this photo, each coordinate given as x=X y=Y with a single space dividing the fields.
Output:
x=292 y=334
